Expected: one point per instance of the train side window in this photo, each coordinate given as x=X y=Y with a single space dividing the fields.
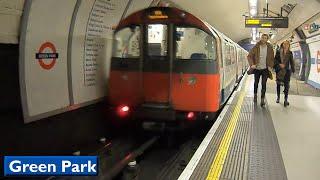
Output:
x=194 y=44
x=157 y=40
x=233 y=55
x=126 y=43
x=227 y=54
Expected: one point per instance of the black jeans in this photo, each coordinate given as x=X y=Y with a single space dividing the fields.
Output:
x=286 y=84
x=257 y=74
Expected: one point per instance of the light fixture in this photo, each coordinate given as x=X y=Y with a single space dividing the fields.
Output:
x=253 y=11
x=253 y=3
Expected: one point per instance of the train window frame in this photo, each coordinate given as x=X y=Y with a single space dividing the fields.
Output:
x=146 y=43
x=234 y=56
x=138 y=45
x=176 y=58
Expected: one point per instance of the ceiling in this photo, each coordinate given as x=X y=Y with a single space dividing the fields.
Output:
x=227 y=15
x=10 y=13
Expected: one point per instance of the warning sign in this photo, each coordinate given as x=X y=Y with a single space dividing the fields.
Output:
x=47 y=55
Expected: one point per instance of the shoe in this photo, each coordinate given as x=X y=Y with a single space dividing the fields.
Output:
x=255 y=98
x=262 y=103
x=278 y=100
x=286 y=103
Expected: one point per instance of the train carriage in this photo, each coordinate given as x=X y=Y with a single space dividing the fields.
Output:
x=170 y=66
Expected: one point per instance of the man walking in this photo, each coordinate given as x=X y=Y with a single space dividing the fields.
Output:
x=261 y=59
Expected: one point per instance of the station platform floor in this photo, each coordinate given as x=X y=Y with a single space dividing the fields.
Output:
x=248 y=141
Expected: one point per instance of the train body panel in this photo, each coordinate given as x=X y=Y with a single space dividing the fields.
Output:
x=124 y=88
x=189 y=92
x=196 y=92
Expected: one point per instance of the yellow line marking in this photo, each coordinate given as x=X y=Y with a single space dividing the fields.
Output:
x=221 y=155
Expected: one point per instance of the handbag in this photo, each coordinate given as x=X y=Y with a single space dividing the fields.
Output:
x=250 y=71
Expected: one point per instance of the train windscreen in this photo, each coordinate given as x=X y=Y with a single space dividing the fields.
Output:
x=126 y=43
x=194 y=44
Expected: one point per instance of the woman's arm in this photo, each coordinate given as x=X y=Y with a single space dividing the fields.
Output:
x=277 y=61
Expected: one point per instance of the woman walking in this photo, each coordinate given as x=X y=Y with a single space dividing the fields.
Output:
x=284 y=66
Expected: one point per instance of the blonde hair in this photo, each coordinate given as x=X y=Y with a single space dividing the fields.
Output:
x=281 y=46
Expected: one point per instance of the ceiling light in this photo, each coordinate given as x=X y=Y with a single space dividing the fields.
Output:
x=253 y=3
x=253 y=12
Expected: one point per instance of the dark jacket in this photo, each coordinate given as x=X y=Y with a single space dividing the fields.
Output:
x=254 y=55
x=289 y=65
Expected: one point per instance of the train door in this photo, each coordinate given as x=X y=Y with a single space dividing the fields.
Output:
x=238 y=63
x=223 y=70
x=233 y=64
x=156 y=65
x=228 y=78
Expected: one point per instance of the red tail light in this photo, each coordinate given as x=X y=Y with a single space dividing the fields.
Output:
x=190 y=116
x=123 y=110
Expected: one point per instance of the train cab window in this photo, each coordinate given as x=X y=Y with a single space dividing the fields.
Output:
x=194 y=44
x=126 y=43
x=157 y=40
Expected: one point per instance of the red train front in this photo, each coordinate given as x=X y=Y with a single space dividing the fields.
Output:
x=165 y=67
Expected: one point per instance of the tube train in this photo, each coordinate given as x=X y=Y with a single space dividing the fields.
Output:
x=169 y=66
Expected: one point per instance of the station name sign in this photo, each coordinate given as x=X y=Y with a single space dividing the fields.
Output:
x=51 y=166
x=266 y=22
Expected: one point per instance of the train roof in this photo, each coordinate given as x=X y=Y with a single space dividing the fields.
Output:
x=163 y=15
x=167 y=15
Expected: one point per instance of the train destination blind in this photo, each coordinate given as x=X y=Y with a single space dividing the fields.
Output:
x=158 y=15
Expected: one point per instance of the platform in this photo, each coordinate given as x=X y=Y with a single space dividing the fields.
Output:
x=248 y=141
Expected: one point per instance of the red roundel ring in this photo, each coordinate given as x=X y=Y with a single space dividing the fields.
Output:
x=53 y=49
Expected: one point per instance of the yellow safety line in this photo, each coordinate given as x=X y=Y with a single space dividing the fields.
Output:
x=221 y=155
